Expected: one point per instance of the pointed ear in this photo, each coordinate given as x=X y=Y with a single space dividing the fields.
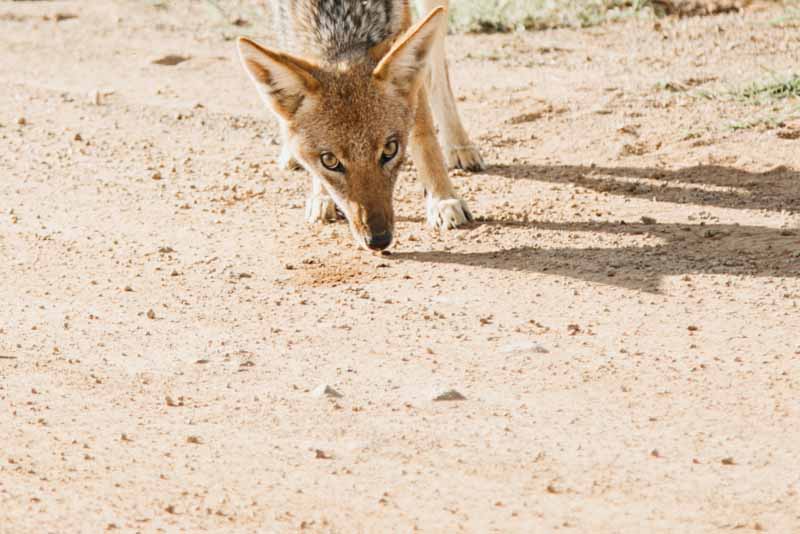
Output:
x=283 y=81
x=404 y=64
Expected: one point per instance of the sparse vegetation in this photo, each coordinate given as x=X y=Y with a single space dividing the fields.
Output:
x=776 y=89
x=778 y=98
x=489 y=16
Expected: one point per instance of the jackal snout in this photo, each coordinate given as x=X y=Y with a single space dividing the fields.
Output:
x=373 y=224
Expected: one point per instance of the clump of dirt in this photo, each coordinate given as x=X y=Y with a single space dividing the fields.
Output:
x=332 y=275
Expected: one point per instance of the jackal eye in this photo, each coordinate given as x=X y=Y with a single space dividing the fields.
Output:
x=390 y=150
x=331 y=162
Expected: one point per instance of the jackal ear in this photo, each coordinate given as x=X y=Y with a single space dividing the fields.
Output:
x=283 y=81
x=404 y=64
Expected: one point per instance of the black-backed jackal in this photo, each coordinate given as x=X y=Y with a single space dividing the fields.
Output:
x=352 y=99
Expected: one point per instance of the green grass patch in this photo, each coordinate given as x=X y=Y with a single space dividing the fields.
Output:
x=760 y=92
x=778 y=88
x=775 y=101
x=489 y=16
x=778 y=96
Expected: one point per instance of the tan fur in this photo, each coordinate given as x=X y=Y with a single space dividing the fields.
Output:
x=459 y=149
x=353 y=111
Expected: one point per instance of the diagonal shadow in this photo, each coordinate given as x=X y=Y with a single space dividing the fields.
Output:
x=686 y=249
x=713 y=185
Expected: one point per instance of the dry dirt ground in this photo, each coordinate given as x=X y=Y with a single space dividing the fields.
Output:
x=623 y=319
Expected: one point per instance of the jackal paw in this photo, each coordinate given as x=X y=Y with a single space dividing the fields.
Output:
x=320 y=209
x=466 y=157
x=287 y=162
x=446 y=213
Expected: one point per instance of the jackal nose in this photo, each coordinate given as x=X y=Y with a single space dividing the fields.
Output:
x=380 y=241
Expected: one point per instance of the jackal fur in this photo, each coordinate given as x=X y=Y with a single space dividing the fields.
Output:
x=355 y=87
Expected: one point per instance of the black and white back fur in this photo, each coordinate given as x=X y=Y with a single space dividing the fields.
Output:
x=336 y=30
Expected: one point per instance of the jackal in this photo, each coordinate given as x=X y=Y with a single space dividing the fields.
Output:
x=348 y=89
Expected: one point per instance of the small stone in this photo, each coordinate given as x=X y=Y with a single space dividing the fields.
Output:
x=648 y=220
x=552 y=489
x=170 y=60
x=449 y=395
x=194 y=440
x=524 y=346
x=319 y=454
x=151 y=314
x=573 y=329
x=22 y=121
x=58 y=17
x=77 y=137
x=156 y=176
x=728 y=461
x=324 y=390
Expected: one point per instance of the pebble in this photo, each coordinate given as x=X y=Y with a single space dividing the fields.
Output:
x=524 y=346
x=449 y=395
x=170 y=60
x=324 y=390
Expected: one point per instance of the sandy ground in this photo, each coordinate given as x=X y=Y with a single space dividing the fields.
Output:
x=167 y=314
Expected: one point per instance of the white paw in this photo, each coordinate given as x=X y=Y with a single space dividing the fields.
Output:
x=447 y=213
x=320 y=209
x=466 y=157
x=287 y=162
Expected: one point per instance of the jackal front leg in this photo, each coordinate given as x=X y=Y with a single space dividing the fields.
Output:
x=444 y=208
x=319 y=204
x=459 y=150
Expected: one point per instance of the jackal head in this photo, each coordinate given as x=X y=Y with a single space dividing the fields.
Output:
x=349 y=123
